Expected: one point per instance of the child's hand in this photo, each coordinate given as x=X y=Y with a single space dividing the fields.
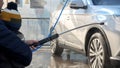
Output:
x=32 y=43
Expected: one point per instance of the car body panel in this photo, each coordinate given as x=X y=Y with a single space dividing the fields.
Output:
x=71 y=18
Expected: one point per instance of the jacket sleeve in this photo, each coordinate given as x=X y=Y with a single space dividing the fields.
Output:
x=17 y=49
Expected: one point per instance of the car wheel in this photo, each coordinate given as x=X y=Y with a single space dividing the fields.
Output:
x=55 y=48
x=97 y=52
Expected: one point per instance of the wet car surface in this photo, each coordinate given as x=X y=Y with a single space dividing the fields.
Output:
x=43 y=58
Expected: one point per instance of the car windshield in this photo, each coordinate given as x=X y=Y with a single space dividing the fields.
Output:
x=106 y=2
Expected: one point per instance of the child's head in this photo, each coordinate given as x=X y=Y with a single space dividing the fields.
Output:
x=11 y=17
x=12 y=5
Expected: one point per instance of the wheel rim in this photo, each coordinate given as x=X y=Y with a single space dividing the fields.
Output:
x=53 y=45
x=96 y=54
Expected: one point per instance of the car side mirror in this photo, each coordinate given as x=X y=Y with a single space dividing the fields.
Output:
x=77 y=4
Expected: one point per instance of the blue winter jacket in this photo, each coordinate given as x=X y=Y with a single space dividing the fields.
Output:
x=13 y=47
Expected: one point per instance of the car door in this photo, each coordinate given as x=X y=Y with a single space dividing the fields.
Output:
x=78 y=17
x=69 y=21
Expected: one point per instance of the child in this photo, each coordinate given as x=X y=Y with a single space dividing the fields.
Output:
x=12 y=18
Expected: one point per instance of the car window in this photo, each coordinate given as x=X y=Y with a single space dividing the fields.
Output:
x=106 y=2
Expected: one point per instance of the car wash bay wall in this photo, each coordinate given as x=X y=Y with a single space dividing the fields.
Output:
x=36 y=16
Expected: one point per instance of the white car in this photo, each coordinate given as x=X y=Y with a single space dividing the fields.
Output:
x=99 y=36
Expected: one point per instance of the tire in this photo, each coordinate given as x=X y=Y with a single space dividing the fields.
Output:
x=97 y=52
x=55 y=48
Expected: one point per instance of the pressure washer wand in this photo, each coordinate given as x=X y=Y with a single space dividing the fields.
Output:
x=52 y=37
x=41 y=42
